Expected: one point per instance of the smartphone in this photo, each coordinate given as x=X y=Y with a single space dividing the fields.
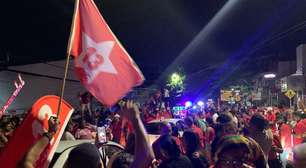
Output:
x=101 y=134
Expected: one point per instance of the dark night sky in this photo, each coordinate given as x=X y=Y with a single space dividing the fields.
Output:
x=156 y=32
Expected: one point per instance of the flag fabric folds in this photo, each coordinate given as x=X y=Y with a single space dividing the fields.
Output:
x=101 y=63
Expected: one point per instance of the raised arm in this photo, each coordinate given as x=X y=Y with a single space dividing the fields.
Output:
x=143 y=152
x=33 y=154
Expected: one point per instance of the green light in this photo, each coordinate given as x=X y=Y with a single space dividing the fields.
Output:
x=175 y=78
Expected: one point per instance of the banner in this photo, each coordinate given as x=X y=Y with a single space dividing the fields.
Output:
x=229 y=95
x=31 y=130
x=13 y=96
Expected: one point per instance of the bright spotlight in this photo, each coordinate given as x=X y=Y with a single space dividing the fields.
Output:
x=200 y=103
x=175 y=78
x=269 y=76
x=194 y=107
x=188 y=104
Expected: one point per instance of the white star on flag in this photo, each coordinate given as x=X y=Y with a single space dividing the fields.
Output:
x=95 y=57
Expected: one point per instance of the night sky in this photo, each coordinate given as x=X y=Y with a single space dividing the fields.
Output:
x=213 y=41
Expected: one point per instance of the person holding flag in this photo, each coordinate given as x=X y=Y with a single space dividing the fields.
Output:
x=31 y=157
x=104 y=68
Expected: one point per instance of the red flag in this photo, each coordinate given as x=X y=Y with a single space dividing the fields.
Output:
x=32 y=128
x=101 y=63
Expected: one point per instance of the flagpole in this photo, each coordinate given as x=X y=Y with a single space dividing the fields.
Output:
x=72 y=30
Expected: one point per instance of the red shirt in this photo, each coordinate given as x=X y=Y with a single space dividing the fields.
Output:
x=285 y=136
x=116 y=130
x=200 y=134
x=276 y=142
x=299 y=129
x=271 y=117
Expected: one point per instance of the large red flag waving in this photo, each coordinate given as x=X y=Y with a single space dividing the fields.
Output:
x=102 y=64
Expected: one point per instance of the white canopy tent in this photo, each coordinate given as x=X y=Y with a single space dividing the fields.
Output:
x=40 y=79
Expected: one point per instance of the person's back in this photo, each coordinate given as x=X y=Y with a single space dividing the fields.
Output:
x=191 y=127
x=192 y=147
x=121 y=160
x=260 y=133
x=198 y=160
x=172 y=154
x=176 y=162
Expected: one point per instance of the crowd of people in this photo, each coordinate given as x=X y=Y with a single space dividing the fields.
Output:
x=223 y=137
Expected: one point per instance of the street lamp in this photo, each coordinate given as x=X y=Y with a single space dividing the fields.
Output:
x=200 y=103
x=269 y=76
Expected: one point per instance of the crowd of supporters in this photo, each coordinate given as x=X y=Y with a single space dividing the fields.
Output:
x=228 y=136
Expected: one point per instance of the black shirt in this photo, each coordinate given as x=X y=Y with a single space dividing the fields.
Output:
x=178 y=162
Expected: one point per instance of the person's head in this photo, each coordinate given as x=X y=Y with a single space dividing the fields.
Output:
x=258 y=123
x=15 y=121
x=157 y=95
x=224 y=118
x=116 y=118
x=191 y=142
x=299 y=156
x=8 y=126
x=201 y=114
x=188 y=121
x=233 y=111
x=279 y=118
x=210 y=121
x=180 y=125
x=121 y=160
x=84 y=155
x=296 y=116
x=232 y=152
x=229 y=128
x=82 y=124
x=69 y=126
x=165 y=128
x=169 y=147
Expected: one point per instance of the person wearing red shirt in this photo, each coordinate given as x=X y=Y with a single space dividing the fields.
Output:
x=299 y=131
x=271 y=117
x=276 y=149
x=190 y=125
x=116 y=128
